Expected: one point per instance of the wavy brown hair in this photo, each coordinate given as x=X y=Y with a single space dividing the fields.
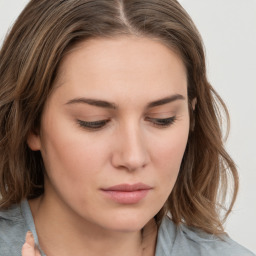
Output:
x=29 y=60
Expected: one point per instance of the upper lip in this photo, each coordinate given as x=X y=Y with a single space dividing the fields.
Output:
x=128 y=187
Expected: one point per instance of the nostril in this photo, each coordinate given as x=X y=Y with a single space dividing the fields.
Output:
x=130 y=158
x=129 y=163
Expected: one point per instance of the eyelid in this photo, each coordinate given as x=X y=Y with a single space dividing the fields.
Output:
x=99 y=124
x=93 y=125
x=161 y=115
x=162 y=122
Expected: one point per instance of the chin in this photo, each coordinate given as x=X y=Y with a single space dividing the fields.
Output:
x=128 y=222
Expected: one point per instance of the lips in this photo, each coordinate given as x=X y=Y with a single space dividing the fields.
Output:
x=127 y=193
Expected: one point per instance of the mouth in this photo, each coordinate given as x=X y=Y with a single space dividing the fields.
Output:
x=126 y=193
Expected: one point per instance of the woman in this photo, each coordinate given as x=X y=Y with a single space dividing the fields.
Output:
x=110 y=134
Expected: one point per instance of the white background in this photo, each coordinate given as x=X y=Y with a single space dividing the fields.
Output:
x=228 y=28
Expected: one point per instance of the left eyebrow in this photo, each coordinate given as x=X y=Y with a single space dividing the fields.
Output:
x=165 y=100
x=93 y=102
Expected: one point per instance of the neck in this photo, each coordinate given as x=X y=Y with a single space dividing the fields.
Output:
x=61 y=234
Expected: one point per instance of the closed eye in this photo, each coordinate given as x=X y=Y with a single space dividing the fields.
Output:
x=95 y=125
x=162 y=122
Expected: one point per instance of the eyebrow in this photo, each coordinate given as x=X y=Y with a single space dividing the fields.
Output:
x=165 y=100
x=93 y=102
x=110 y=105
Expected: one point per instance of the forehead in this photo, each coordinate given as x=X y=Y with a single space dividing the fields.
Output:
x=126 y=65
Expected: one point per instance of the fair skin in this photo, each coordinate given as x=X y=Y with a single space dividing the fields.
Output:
x=118 y=115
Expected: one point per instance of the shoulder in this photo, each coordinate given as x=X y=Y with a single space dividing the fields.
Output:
x=12 y=230
x=182 y=240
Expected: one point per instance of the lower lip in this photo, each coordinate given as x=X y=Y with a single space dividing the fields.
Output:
x=126 y=197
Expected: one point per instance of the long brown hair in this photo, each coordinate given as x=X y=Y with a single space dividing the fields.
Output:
x=29 y=61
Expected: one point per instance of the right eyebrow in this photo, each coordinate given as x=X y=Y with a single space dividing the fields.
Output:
x=166 y=100
x=93 y=102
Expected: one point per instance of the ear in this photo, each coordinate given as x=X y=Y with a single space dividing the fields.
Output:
x=191 y=112
x=34 y=141
x=193 y=103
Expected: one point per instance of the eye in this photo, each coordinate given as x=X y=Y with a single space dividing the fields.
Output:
x=95 y=125
x=162 y=122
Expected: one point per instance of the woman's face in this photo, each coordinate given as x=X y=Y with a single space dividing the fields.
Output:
x=114 y=130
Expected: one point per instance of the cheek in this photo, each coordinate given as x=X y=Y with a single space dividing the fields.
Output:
x=73 y=168
x=171 y=148
x=168 y=154
x=68 y=155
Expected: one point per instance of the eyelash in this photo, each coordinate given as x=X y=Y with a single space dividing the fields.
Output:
x=95 y=125
x=162 y=122
x=158 y=122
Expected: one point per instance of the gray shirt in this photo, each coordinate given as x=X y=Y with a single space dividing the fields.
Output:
x=172 y=240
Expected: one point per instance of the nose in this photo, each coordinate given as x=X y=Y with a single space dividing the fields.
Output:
x=130 y=150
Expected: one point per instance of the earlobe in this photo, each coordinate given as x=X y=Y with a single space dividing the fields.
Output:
x=34 y=141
